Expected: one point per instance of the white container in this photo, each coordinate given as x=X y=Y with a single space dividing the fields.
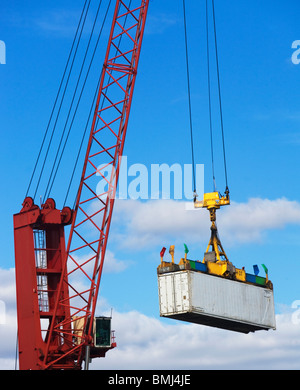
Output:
x=215 y=301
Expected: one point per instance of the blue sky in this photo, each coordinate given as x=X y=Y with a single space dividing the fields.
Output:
x=260 y=94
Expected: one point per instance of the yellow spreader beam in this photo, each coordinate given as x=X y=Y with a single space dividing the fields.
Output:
x=213 y=201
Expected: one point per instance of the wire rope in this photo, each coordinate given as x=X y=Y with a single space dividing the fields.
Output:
x=54 y=173
x=54 y=128
x=209 y=100
x=87 y=122
x=219 y=92
x=92 y=106
x=189 y=94
x=16 y=351
x=56 y=99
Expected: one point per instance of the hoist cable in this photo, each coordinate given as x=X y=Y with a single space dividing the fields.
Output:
x=80 y=146
x=189 y=93
x=16 y=351
x=93 y=104
x=56 y=99
x=209 y=101
x=70 y=71
x=54 y=173
x=88 y=119
x=219 y=90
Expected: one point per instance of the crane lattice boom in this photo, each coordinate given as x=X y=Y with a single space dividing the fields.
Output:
x=75 y=287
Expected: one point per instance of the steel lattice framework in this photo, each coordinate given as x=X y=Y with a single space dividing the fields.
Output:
x=73 y=297
x=93 y=212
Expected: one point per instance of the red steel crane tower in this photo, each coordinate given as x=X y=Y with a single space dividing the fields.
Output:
x=58 y=283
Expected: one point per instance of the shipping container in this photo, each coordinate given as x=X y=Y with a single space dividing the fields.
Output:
x=205 y=299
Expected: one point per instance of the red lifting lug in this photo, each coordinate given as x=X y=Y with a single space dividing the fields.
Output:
x=49 y=212
x=28 y=204
x=66 y=215
x=49 y=204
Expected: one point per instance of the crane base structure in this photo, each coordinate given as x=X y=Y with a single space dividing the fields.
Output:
x=39 y=256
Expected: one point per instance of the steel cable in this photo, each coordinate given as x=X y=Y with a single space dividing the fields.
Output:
x=92 y=107
x=56 y=99
x=71 y=67
x=219 y=91
x=52 y=180
x=87 y=122
x=189 y=94
x=209 y=100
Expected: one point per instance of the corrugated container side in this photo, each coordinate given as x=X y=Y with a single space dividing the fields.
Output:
x=201 y=298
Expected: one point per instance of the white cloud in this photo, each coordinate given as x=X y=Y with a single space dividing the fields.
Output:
x=153 y=343
x=143 y=224
x=114 y=265
x=246 y=222
x=8 y=323
x=139 y=224
x=57 y=22
x=148 y=343
x=157 y=24
x=111 y=263
x=61 y=22
x=7 y=287
x=144 y=342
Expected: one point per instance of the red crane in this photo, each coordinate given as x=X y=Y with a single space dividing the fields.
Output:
x=57 y=284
